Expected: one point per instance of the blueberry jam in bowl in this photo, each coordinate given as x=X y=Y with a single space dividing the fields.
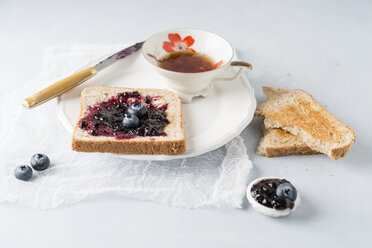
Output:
x=274 y=197
x=125 y=116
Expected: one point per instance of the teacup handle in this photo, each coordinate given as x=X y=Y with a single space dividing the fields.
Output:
x=243 y=66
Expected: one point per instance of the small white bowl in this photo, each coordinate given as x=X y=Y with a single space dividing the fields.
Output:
x=189 y=85
x=266 y=210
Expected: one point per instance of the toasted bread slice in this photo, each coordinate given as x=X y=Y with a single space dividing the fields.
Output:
x=172 y=143
x=270 y=92
x=278 y=142
x=298 y=113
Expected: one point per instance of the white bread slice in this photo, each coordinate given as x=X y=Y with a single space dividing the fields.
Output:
x=173 y=143
x=297 y=112
x=277 y=142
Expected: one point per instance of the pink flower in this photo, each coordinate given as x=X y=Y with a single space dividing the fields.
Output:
x=176 y=44
x=218 y=64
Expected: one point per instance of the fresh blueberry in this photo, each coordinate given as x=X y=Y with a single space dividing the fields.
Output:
x=39 y=162
x=131 y=121
x=287 y=190
x=23 y=172
x=137 y=109
x=83 y=124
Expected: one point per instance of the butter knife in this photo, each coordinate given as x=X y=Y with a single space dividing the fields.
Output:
x=77 y=78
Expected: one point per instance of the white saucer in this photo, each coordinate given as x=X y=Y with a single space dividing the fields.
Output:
x=209 y=122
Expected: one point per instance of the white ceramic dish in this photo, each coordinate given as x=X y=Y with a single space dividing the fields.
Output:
x=269 y=211
x=209 y=122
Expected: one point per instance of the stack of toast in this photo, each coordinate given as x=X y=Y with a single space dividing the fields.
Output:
x=295 y=124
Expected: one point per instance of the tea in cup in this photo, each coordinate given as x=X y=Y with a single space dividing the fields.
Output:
x=191 y=60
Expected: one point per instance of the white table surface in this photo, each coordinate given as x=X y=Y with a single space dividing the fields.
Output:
x=323 y=47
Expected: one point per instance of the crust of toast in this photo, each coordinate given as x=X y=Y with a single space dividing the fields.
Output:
x=130 y=146
x=298 y=113
x=138 y=145
x=272 y=92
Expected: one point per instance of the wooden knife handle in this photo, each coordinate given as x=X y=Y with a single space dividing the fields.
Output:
x=59 y=88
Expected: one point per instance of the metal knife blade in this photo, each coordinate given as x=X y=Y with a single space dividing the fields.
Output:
x=77 y=78
x=118 y=56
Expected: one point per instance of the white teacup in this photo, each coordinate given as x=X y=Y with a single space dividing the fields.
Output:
x=189 y=85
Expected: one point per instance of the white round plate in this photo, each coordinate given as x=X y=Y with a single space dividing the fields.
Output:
x=209 y=122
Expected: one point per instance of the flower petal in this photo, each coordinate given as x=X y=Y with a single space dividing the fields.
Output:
x=218 y=64
x=174 y=37
x=168 y=46
x=188 y=40
x=190 y=49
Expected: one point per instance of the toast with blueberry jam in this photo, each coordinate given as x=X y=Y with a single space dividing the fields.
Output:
x=129 y=121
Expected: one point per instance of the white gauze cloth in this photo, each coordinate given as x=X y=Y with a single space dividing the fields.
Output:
x=217 y=178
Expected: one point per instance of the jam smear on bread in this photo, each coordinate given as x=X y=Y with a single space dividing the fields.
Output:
x=106 y=118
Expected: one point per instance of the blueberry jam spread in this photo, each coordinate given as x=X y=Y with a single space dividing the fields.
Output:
x=274 y=193
x=126 y=116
